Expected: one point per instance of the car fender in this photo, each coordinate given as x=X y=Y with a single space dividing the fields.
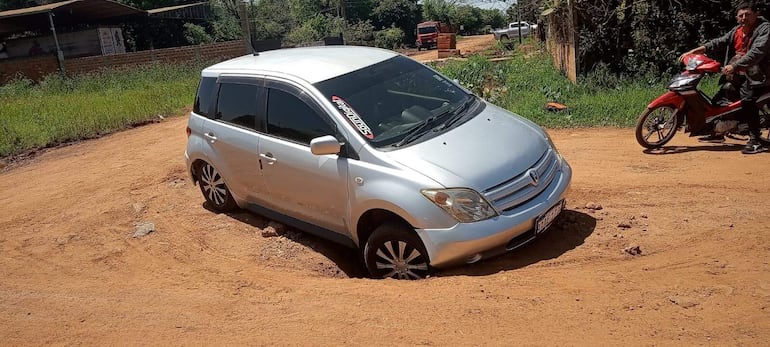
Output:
x=399 y=194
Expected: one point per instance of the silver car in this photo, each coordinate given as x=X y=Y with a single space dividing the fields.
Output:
x=371 y=149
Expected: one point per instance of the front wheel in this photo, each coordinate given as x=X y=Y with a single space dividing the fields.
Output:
x=656 y=126
x=395 y=251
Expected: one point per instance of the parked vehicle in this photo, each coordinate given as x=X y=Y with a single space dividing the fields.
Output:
x=513 y=29
x=685 y=105
x=427 y=34
x=371 y=149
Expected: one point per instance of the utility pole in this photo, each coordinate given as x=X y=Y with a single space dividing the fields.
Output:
x=518 y=18
x=245 y=27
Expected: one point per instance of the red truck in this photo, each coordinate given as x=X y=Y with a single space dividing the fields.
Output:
x=427 y=34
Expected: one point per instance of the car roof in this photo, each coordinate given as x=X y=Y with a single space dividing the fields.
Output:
x=312 y=64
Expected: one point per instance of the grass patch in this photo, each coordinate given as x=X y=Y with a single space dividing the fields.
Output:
x=528 y=81
x=59 y=110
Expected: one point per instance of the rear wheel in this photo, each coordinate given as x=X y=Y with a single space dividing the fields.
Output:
x=214 y=189
x=395 y=251
x=656 y=126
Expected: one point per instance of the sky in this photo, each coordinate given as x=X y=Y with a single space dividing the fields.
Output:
x=498 y=4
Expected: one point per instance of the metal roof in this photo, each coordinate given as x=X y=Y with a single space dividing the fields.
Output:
x=65 y=13
x=198 y=10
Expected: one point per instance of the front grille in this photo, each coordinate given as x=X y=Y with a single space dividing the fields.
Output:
x=520 y=189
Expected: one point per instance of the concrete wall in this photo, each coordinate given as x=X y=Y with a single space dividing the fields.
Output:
x=35 y=68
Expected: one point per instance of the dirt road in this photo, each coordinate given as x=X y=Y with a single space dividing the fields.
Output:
x=665 y=248
x=72 y=272
x=467 y=46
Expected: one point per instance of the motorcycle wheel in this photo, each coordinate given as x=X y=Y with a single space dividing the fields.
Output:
x=656 y=126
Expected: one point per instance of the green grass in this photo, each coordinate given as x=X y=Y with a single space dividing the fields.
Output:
x=59 y=110
x=525 y=84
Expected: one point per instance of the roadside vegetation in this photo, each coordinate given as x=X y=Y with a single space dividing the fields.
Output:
x=528 y=81
x=59 y=110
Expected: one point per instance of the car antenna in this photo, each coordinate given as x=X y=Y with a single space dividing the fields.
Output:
x=251 y=42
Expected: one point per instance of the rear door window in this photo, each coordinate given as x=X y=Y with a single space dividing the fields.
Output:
x=205 y=96
x=237 y=104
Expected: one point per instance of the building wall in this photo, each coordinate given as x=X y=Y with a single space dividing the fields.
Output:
x=35 y=68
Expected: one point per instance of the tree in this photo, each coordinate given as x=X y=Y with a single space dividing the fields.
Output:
x=437 y=10
x=492 y=19
x=358 y=10
x=466 y=17
x=639 y=37
x=526 y=10
x=273 y=19
x=401 y=14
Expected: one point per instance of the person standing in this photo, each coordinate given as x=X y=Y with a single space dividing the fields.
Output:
x=748 y=48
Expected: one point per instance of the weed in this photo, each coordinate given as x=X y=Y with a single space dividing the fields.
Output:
x=58 y=109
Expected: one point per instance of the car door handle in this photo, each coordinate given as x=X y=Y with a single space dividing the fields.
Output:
x=210 y=136
x=268 y=157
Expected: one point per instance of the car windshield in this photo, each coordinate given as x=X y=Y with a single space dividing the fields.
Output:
x=426 y=30
x=395 y=99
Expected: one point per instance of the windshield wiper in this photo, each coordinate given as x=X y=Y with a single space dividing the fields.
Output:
x=413 y=132
x=458 y=113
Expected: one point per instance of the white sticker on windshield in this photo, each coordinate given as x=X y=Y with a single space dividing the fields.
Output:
x=353 y=117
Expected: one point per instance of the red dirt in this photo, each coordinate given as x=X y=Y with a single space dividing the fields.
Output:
x=73 y=274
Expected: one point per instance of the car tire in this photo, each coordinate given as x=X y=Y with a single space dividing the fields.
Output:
x=395 y=251
x=214 y=189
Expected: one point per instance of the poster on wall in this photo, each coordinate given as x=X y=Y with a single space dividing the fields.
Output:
x=112 y=41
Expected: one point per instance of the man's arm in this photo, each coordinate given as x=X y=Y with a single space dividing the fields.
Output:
x=720 y=44
x=713 y=47
x=696 y=50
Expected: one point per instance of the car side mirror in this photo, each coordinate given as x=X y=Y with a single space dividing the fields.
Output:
x=326 y=144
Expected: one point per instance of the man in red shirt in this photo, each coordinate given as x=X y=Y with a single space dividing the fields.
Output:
x=748 y=46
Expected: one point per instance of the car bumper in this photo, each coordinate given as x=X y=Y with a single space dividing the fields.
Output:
x=471 y=242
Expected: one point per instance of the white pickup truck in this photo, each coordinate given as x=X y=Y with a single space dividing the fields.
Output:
x=513 y=29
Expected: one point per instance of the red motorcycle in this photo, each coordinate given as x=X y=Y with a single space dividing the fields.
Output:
x=685 y=105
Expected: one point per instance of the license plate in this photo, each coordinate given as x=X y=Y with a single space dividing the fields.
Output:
x=545 y=220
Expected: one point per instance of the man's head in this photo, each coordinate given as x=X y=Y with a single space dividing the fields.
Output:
x=746 y=14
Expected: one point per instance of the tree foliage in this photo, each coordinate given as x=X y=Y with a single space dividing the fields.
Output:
x=634 y=37
x=295 y=22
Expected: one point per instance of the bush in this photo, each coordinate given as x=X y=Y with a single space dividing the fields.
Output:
x=390 y=38
x=360 y=34
x=196 y=34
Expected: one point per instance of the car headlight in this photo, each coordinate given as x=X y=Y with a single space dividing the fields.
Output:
x=465 y=205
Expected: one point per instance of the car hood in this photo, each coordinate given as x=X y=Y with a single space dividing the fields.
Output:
x=485 y=151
